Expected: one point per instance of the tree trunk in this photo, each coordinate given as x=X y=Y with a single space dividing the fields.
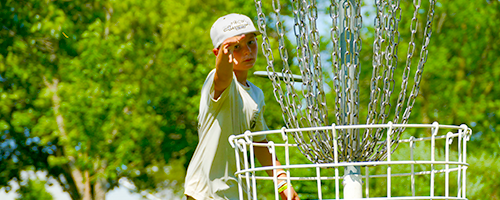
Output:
x=87 y=195
x=76 y=174
x=100 y=189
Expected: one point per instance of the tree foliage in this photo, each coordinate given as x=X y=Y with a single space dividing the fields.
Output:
x=34 y=189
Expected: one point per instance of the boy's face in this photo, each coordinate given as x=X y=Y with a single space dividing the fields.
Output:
x=245 y=52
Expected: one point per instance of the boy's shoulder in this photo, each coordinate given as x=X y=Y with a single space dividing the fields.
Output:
x=253 y=85
x=210 y=78
x=256 y=89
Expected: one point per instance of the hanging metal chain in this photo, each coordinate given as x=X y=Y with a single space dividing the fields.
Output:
x=288 y=114
x=409 y=57
x=423 y=59
x=336 y=58
x=287 y=99
x=319 y=114
x=377 y=62
x=346 y=42
x=392 y=32
x=317 y=79
x=345 y=142
x=310 y=110
x=384 y=61
x=348 y=64
x=338 y=84
x=418 y=73
x=384 y=64
x=291 y=96
x=357 y=26
x=303 y=56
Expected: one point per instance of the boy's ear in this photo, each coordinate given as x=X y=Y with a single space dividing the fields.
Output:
x=216 y=51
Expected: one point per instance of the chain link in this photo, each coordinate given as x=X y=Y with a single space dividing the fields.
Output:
x=409 y=56
x=310 y=109
x=423 y=59
x=336 y=58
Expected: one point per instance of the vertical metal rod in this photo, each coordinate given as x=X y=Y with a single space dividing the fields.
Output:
x=318 y=181
x=336 y=160
x=287 y=169
x=460 y=159
x=389 y=131
x=464 y=181
x=347 y=68
x=447 y=166
x=252 y=166
x=247 y=174
x=238 y=167
x=273 y=155
x=433 y=156
x=367 y=178
x=412 y=147
x=343 y=71
x=352 y=174
x=352 y=178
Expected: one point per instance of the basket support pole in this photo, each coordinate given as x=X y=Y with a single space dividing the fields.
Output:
x=353 y=183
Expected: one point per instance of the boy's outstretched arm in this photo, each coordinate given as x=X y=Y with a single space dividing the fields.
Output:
x=224 y=64
x=265 y=159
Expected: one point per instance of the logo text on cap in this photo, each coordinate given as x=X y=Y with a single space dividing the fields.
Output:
x=236 y=25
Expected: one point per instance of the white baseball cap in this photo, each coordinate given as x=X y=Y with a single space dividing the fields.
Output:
x=231 y=25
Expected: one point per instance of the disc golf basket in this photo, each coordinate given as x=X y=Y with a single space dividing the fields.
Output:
x=374 y=154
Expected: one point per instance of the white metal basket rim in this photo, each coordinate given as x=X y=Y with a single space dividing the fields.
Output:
x=310 y=178
x=247 y=135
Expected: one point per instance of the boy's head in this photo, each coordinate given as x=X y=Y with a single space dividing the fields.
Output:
x=231 y=25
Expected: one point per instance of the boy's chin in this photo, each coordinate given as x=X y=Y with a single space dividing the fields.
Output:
x=242 y=68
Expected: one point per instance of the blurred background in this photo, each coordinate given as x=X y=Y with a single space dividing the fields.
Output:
x=99 y=98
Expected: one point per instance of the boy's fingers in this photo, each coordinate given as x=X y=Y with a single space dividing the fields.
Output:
x=235 y=39
x=230 y=42
x=225 y=48
x=231 y=58
x=238 y=38
x=235 y=61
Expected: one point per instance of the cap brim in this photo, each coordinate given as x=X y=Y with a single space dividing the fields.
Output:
x=256 y=32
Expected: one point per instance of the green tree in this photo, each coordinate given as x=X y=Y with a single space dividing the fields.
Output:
x=459 y=85
x=33 y=190
x=92 y=91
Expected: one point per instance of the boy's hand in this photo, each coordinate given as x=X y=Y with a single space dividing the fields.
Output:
x=228 y=47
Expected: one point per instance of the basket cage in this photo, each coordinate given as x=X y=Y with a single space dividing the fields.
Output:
x=429 y=163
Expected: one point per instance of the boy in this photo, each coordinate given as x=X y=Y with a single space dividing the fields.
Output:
x=229 y=105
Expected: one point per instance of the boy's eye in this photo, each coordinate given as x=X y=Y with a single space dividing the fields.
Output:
x=236 y=46
x=251 y=42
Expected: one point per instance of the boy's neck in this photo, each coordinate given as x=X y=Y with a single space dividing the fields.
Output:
x=241 y=76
